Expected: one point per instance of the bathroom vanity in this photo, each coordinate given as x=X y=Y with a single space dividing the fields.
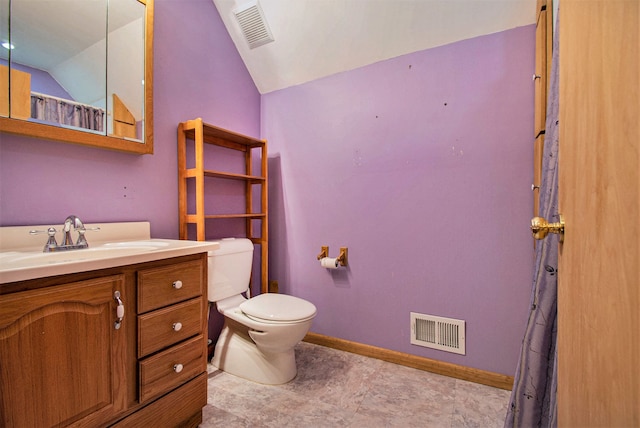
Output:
x=115 y=338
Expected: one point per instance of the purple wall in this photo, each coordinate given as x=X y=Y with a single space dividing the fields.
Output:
x=422 y=167
x=198 y=73
x=41 y=81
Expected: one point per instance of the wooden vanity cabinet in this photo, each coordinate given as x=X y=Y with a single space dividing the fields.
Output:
x=63 y=362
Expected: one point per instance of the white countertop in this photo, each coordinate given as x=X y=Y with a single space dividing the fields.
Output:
x=115 y=244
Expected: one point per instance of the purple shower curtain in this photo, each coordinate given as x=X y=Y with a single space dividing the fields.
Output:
x=51 y=109
x=533 y=398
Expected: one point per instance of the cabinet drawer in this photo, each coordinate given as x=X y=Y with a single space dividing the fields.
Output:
x=180 y=408
x=164 y=371
x=164 y=327
x=166 y=285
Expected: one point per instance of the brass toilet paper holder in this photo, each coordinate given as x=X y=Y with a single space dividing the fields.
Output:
x=324 y=252
x=342 y=258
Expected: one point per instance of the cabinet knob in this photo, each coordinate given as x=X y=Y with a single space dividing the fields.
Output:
x=177 y=326
x=177 y=284
x=178 y=368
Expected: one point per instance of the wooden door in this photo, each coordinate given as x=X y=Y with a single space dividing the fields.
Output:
x=599 y=281
x=61 y=360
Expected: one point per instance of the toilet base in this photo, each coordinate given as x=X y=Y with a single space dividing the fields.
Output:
x=237 y=354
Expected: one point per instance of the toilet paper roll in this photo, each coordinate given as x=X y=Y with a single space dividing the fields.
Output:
x=329 y=263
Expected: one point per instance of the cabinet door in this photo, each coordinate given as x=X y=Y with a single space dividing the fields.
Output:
x=61 y=359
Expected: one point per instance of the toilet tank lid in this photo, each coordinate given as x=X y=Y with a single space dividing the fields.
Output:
x=232 y=245
x=278 y=307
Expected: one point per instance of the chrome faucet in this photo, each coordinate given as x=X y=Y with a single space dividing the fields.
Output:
x=78 y=226
x=67 y=242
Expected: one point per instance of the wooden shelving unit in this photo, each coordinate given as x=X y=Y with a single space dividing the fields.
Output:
x=201 y=133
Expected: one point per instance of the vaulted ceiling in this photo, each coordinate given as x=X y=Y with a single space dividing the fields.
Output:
x=317 y=38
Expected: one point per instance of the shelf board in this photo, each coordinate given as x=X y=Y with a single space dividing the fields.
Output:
x=221 y=137
x=192 y=218
x=191 y=173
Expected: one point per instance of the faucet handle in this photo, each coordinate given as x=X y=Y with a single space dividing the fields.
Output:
x=51 y=242
x=82 y=241
x=51 y=231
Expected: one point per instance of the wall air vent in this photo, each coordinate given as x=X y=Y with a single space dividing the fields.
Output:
x=253 y=24
x=445 y=334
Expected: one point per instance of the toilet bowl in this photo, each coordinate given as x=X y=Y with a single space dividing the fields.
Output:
x=259 y=334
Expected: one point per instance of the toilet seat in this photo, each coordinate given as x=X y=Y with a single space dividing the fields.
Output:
x=278 y=308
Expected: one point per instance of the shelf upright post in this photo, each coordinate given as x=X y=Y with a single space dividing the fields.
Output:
x=264 y=233
x=182 y=182
x=199 y=152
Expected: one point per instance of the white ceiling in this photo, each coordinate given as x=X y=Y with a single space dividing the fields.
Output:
x=317 y=38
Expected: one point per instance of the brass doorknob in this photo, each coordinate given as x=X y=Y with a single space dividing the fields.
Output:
x=540 y=228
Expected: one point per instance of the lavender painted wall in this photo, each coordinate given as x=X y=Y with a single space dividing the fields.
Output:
x=421 y=166
x=41 y=81
x=431 y=200
x=198 y=73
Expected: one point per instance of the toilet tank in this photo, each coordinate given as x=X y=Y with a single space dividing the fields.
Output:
x=230 y=268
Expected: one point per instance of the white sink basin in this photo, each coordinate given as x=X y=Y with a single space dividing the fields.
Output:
x=117 y=244
x=146 y=245
x=18 y=259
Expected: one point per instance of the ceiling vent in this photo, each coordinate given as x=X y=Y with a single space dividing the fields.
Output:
x=253 y=24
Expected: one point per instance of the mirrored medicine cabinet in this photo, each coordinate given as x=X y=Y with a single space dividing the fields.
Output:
x=78 y=71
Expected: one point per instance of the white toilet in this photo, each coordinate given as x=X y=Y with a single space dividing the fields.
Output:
x=259 y=333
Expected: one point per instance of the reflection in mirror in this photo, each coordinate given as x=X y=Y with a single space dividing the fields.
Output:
x=5 y=45
x=125 y=69
x=60 y=47
x=60 y=80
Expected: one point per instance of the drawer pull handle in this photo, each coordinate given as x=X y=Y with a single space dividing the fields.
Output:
x=178 y=368
x=177 y=284
x=177 y=326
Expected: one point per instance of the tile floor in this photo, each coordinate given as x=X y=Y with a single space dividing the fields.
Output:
x=340 y=389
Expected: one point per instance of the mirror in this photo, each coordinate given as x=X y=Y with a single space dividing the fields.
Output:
x=78 y=71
